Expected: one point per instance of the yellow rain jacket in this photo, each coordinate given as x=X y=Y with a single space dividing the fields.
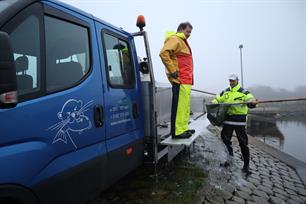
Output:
x=177 y=56
x=235 y=113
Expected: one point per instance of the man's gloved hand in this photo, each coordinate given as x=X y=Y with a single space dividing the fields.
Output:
x=253 y=103
x=174 y=74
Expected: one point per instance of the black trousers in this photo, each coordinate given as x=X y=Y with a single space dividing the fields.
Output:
x=226 y=135
x=175 y=98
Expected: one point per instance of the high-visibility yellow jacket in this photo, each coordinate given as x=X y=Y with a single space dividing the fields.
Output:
x=177 y=56
x=235 y=95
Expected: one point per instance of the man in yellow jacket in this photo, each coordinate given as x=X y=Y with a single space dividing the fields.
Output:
x=236 y=118
x=177 y=57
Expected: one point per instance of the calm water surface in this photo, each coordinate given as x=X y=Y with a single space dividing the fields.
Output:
x=286 y=135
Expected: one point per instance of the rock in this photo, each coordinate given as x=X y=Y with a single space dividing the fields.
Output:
x=250 y=185
x=254 y=172
x=266 y=190
x=280 y=191
x=303 y=198
x=277 y=185
x=261 y=194
x=289 y=186
x=274 y=174
x=261 y=165
x=256 y=182
x=214 y=199
x=243 y=195
x=226 y=195
x=291 y=180
x=291 y=201
x=263 y=170
x=282 y=166
x=238 y=200
x=228 y=188
x=283 y=197
x=260 y=200
x=255 y=176
x=295 y=176
x=267 y=185
x=301 y=191
x=296 y=181
x=284 y=173
x=276 y=179
x=290 y=192
x=245 y=189
x=230 y=202
x=299 y=185
x=287 y=182
x=265 y=173
x=275 y=200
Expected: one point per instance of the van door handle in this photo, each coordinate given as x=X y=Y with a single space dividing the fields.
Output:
x=98 y=116
x=135 y=110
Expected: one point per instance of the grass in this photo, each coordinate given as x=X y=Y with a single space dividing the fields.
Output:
x=175 y=183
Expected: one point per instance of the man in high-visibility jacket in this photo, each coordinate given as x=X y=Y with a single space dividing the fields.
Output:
x=177 y=57
x=236 y=118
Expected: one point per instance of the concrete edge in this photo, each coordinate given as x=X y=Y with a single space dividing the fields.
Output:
x=291 y=161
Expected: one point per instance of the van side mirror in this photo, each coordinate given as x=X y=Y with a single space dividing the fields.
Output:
x=8 y=78
x=144 y=67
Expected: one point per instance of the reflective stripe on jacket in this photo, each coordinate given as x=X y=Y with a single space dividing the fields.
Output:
x=177 y=56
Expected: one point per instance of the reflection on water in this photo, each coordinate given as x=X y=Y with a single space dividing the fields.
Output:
x=288 y=135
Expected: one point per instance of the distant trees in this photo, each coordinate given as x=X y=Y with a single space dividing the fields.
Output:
x=267 y=92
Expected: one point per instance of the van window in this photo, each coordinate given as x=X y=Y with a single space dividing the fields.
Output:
x=67 y=53
x=119 y=64
x=25 y=40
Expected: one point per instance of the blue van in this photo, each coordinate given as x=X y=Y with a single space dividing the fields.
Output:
x=78 y=108
x=77 y=126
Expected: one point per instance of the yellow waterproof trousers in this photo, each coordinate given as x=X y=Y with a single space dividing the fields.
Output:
x=180 y=111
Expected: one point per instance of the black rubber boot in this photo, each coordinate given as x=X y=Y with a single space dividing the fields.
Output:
x=192 y=131
x=229 y=162
x=246 y=170
x=184 y=135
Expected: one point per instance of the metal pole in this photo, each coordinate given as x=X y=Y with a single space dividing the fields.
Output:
x=267 y=101
x=153 y=111
x=240 y=47
x=205 y=92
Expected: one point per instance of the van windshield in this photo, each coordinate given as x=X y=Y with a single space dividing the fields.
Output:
x=4 y=4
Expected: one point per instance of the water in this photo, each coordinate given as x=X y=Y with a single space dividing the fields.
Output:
x=287 y=135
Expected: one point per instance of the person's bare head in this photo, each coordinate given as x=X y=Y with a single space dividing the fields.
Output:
x=185 y=28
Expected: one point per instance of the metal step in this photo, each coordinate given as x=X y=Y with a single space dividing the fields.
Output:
x=200 y=125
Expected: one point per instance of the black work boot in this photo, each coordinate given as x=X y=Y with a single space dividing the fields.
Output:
x=229 y=162
x=184 y=135
x=192 y=131
x=225 y=164
x=246 y=170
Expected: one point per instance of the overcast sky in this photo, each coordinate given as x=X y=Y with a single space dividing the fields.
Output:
x=273 y=33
